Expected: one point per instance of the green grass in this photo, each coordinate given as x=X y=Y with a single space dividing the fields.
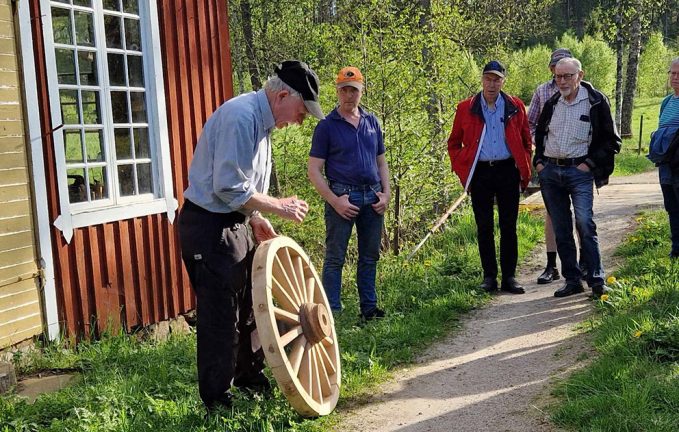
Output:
x=633 y=384
x=632 y=159
x=127 y=385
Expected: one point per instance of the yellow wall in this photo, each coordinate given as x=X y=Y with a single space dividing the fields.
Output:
x=20 y=316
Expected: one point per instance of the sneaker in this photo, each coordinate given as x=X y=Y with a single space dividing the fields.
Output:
x=375 y=313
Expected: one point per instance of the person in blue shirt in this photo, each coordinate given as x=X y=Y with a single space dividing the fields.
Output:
x=228 y=184
x=348 y=146
x=668 y=127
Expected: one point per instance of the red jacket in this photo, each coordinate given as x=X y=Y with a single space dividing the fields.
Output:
x=467 y=126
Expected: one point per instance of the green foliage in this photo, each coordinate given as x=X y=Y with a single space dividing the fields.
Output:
x=526 y=70
x=598 y=59
x=631 y=386
x=653 y=66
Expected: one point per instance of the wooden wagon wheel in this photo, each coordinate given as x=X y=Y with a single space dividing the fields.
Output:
x=296 y=327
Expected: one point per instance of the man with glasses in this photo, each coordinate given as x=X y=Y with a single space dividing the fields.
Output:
x=575 y=144
x=490 y=149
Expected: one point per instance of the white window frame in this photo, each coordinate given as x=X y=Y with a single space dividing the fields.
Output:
x=102 y=211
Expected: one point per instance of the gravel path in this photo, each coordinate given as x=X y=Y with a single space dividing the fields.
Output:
x=495 y=373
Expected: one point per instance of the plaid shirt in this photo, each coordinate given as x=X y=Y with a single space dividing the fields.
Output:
x=570 y=131
x=540 y=96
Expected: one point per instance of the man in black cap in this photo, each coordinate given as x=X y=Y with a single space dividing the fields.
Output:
x=228 y=183
x=490 y=150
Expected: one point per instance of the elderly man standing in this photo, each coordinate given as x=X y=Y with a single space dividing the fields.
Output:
x=490 y=149
x=575 y=145
x=228 y=182
x=348 y=146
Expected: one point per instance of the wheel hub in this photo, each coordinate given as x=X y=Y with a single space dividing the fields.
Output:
x=315 y=321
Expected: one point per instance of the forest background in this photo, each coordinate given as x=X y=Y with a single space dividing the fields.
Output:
x=421 y=57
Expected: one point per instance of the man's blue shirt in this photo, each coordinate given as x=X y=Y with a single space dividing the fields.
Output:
x=494 y=146
x=350 y=153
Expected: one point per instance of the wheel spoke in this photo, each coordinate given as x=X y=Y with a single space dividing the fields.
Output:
x=296 y=354
x=305 y=369
x=291 y=335
x=327 y=341
x=283 y=274
x=327 y=361
x=282 y=296
x=299 y=278
x=322 y=372
x=316 y=382
x=311 y=287
x=285 y=316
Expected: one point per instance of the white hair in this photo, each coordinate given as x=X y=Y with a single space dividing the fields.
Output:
x=275 y=84
x=674 y=62
x=571 y=61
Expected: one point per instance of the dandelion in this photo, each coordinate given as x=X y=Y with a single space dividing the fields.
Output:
x=637 y=333
x=604 y=297
x=611 y=280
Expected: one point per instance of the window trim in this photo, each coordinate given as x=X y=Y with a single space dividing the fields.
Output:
x=74 y=217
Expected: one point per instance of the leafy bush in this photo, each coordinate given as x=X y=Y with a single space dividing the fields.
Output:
x=526 y=70
x=597 y=58
x=653 y=66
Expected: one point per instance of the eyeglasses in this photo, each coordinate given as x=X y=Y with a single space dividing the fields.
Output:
x=565 y=77
x=673 y=73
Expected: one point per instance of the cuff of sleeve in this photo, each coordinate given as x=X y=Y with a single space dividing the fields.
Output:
x=235 y=200
x=590 y=163
x=537 y=162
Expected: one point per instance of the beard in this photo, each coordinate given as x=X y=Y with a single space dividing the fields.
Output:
x=565 y=92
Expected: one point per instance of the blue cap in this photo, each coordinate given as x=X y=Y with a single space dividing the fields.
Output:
x=495 y=67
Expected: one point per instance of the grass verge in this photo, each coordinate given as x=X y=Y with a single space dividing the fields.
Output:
x=128 y=385
x=633 y=385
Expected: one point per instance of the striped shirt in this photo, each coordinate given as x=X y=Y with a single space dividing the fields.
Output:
x=540 y=96
x=670 y=114
x=570 y=131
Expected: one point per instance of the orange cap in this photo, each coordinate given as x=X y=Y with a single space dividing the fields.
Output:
x=349 y=76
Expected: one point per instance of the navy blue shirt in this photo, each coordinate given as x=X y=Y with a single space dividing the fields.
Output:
x=350 y=153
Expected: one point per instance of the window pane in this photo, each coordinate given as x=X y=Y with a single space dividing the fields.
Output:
x=112 y=26
x=132 y=34
x=112 y=5
x=123 y=148
x=65 y=66
x=91 y=107
x=86 y=3
x=84 y=28
x=131 y=6
x=77 y=188
x=98 y=188
x=61 y=26
x=69 y=106
x=119 y=107
x=87 y=63
x=126 y=179
x=141 y=143
x=73 y=146
x=138 y=107
x=116 y=69
x=135 y=71
x=94 y=146
x=144 y=178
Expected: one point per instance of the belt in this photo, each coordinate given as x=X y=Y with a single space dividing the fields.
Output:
x=224 y=219
x=348 y=187
x=496 y=163
x=566 y=161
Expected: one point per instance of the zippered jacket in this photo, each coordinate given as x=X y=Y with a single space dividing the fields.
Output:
x=463 y=143
x=605 y=143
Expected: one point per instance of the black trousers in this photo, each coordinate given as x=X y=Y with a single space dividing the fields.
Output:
x=217 y=251
x=499 y=182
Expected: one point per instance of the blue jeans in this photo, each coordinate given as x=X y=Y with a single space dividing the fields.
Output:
x=337 y=233
x=670 y=193
x=561 y=186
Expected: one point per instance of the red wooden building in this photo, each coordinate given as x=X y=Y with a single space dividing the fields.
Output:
x=116 y=94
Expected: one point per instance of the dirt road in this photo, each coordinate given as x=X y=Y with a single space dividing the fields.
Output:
x=495 y=373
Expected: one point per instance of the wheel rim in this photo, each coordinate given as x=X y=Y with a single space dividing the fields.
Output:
x=296 y=327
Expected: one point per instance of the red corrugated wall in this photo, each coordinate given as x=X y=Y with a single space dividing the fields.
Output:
x=130 y=272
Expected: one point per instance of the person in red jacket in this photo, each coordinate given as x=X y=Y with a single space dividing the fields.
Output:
x=490 y=151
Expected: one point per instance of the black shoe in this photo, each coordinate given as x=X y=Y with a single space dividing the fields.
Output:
x=376 y=313
x=569 y=289
x=511 y=286
x=549 y=275
x=599 y=290
x=253 y=384
x=222 y=403
x=489 y=284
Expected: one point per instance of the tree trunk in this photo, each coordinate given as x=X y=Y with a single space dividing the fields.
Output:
x=631 y=81
x=250 y=58
x=395 y=245
x=619 y=50
x=432 y=105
